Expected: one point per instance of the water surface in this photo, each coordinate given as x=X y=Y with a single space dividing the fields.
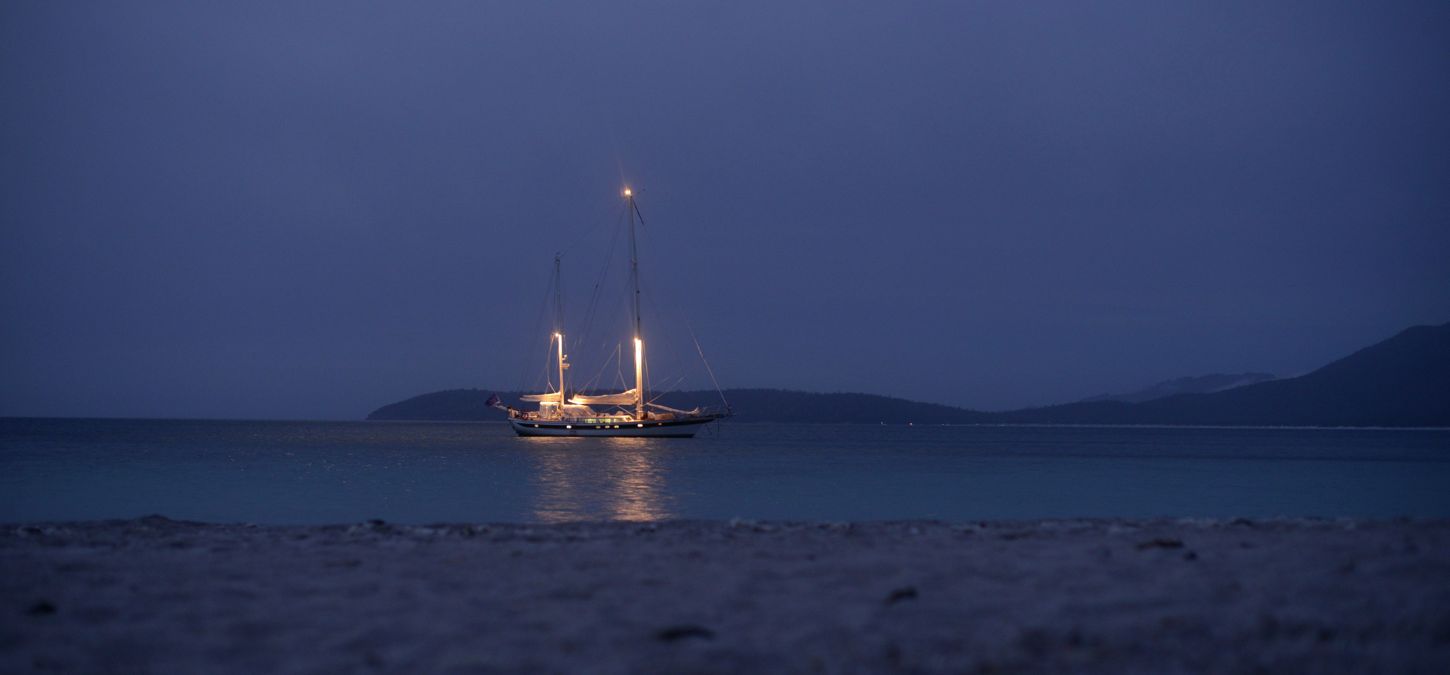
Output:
x=321 y=472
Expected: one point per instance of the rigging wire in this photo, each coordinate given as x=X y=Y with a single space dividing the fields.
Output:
x=547 y=374
x=670 y=356
x=545 y=377
x=599 y=282
x=667 y=388
x=588 y=385
x=522 y=380
x=586 y=233
x=706 y=361
x=619 y=363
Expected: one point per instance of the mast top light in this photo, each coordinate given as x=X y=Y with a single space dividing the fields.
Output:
x=628 y=192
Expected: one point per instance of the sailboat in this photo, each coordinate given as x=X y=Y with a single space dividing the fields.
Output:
x=626 y=413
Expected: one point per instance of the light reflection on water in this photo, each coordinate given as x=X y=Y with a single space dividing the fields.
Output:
x=597 y=479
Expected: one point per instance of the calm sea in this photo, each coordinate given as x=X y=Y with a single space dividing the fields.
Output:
x=325 y=472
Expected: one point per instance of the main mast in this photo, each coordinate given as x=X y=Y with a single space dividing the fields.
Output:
x=559 y=329
x=638 y=336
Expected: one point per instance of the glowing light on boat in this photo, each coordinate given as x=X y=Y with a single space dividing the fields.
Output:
x=638 y=378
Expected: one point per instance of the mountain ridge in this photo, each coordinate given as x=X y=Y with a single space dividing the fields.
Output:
x=1195 y=384
x=1403 y=381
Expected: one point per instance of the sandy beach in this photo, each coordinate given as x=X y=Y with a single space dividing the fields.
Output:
x=156 y=595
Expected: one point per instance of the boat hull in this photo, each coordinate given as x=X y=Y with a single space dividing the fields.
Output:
x=685 y=428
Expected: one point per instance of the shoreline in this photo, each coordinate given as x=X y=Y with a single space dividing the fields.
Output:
x=981 y=425
x=1091 y=595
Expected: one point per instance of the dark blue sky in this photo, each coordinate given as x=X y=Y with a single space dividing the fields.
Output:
x=312 y=209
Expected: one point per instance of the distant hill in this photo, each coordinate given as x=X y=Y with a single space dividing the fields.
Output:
x=750 y=405
x=453 y=405
x=1202 y=384
x=1401 y=382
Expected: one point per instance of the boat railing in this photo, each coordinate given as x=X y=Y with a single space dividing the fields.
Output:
x=535 y=416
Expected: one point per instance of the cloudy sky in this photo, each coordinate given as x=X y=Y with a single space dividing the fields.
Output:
x=307 y=210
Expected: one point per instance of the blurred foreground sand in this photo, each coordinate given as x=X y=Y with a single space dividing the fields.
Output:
x=155 y=595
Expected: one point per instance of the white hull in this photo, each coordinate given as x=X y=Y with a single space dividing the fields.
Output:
x=685 y=428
